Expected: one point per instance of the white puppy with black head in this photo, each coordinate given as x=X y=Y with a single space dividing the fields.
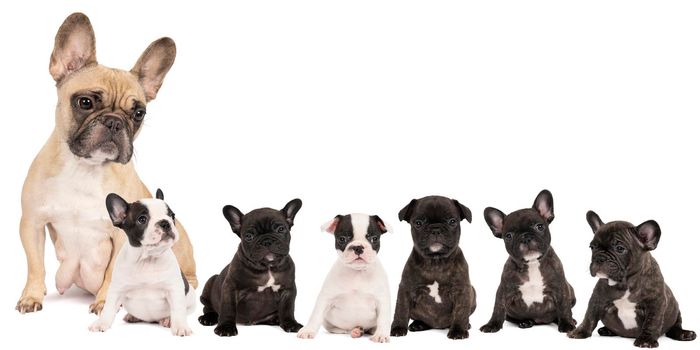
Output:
x=147 y=279
x=355 y=297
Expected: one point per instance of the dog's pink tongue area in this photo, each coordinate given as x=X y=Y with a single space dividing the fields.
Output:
x=270 y=257
x=436 y=247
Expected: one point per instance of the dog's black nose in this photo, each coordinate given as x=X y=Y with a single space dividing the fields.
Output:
x=358 y=250
x=526 y=239
x=164 y=225
x=114 y=124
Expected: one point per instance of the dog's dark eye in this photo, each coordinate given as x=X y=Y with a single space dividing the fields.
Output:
x=248 y=236
x=539 y=227
x=508 y=236
x=281 y=229
x=342 y=239
x=452 y=222
x=620 y=249
x=142 y=219
x=373 y=239
x=85 y=103
x=139 y=114
x=418 y=223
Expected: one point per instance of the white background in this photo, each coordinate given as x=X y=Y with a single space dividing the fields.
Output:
x=360 y=106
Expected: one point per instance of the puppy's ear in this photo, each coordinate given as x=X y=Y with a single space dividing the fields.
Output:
x=649 y=234
x=383 y=228
x=544 y=204
x=117 y=208
x=234 y=218
x=464 y=212
x=594 y=221
x=494 y=218
x=330 y=226
x=153 y=64
x=405 y=213
x=290 y=210
x=74 y=47
x=159 y=194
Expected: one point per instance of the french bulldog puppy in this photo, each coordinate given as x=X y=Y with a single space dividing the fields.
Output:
x=147 y=279
x=435 y=290
x=631 y=297
x=355 y=295
x=99 y=113
x=533 y=287
x=258 y=286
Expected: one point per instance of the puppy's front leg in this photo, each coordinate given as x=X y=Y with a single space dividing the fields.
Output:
x=565 y=319
x=461 y=299
x=227 y=309
x=309 y=331
x=499 y=313
x=286 y=310
x=652 y=323
x=118 y=238
x=381 y=335
x=33 y=236
x=399 y=327
x=111 y=306
x=590 y=321
x=178 y=311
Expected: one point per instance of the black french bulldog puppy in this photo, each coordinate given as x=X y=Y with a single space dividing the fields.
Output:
x=631 y=297
x=257 y=287
x=533 y=287
x=435 y=290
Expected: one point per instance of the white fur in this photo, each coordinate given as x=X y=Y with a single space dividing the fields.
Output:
x=533 y=290
x=435 y=292
x=270 y=284
x=74 y=205
x=353 y=297
x=147 y=281
x=605 y=277
x=626 y=311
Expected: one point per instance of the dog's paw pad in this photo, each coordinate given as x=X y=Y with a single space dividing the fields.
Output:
x=457 y=333
x=28 y=304
x=490 y=328
x=380 y=338
x=306 y=333
x=96 y=307
x=226 y=330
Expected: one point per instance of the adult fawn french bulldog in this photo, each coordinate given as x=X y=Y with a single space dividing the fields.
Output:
x=99 y=113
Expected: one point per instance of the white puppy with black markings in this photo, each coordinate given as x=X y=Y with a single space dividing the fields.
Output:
x=147 y=279
x=355 y=296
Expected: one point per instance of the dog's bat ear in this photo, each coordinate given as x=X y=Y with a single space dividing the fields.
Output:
x=234 y=218
x=594 y=221
x=117 y=208
x=290 y=210
x=649 y=233
x=383 y=228
x=464 y=212
x=153 y=65
x=74 y=47
x=405 y=213
x=544 y=204
x=495 y=218
x=159 y=194
x=330 y=226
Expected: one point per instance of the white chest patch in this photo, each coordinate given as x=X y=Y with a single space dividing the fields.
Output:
x=270 y=284
x=533 y=290
x=626 y=311
x=435 y=292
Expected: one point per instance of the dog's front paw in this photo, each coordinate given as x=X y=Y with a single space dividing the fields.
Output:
x=646 y=342
x=291 y=326
x=99 y=326
x=181 y=331
x=306 y=333
x=491 y=327
x=209 y=319
x=457 y=332
x=397 y=330
x=97 y=306
x=28 y=303
x=226 y=330
x=579 y=333
x=567 y=326
x=380 y=337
